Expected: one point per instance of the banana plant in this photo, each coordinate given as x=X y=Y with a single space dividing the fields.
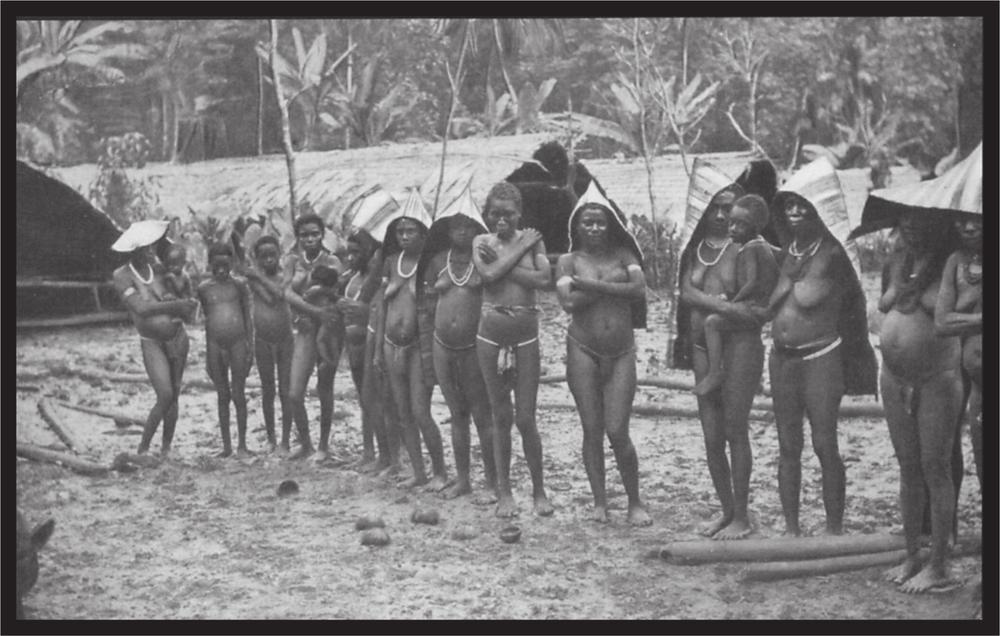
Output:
x=305 y=82
x=685 y=108
x=369 y=116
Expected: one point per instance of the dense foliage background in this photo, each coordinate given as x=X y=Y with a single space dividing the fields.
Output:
x=863 y=91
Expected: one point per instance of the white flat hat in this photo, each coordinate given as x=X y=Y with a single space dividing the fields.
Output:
x=140 y=234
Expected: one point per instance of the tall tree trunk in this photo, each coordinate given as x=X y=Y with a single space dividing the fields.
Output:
x=456 y=85
x=503 y=68
x=175 y=130
x=286 y=134
x=646 y=153
x=684 y=51
x=260 y=106
x=165 y=126
x=350 y=79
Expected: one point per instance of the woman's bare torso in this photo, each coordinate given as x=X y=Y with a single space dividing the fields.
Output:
x=457 y=316
x=717 y=280
x=606 y=325
x=810 y=310
x=910 y=347
x=401 y=308
x=157 y=326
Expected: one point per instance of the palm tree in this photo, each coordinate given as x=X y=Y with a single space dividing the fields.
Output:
x=503 y=40
x=45 y=45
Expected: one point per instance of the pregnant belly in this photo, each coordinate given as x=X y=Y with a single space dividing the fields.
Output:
x=159 y=327
x=911 y=350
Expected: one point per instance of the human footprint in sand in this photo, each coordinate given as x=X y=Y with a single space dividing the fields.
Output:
x=513 y=266
x=600 y=283
x=229 y=342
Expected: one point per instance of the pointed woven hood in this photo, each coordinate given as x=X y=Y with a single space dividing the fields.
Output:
x=817 y=183
x=620 y=232
x=373 y=212
x=706 y=183
x=960 y=189
x=437 y=236
x=413 y=208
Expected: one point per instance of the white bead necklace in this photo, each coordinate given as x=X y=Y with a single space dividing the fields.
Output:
x=808 y=252
x=458 y=282
x=141 y=279
x=722 y=250
x=399 y=267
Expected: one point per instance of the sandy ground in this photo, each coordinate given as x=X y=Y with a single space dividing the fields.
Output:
x=207 y=538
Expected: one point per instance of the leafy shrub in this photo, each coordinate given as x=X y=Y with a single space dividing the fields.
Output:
x=662 y=257
x=124 y=198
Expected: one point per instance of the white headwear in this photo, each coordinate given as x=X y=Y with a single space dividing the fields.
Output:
x=593 y=196
x=465 y=206
x=413 y=208
x=374 y=211
x=818 y=184
x=140 y=234
x=706 y=182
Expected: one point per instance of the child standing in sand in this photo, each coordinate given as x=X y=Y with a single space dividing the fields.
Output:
x=459 y=290
x=229 y=341
x=273 y=340
x=513 y=265
x=756 y=275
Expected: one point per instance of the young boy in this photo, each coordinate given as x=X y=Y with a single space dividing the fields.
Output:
x=324 y=294
x=273 y=341
x=513 y=265
x=756 y=275
x=459 y=299
x=229 y=341
x=398 y=350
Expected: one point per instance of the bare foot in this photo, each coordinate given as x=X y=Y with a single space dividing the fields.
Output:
x=639 y=516
x=284 y=451
x=436 y=484
x=928 y=580
x=709 y=383
x=457 y=489
x=320 y=456
x=903 y=571
x=412 y=482
x=737 y=529
x=243 y=453
x=715 y=525
x=543 y=508
x=792 y=531
x=388 y=471
x=506 y=507
x=833 y=532
x=270 y=448
x=226 y=452
x=301 y=452
x=485 y=498
x=599 y=514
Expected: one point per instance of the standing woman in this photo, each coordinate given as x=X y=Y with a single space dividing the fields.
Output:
x=159 y=322
x=707 y=273
x=959 y=312
x=599 y=282
x=297 y=267
x=921 y=388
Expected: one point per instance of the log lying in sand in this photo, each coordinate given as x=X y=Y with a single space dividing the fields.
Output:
x=778 y=549
x=30 y=388
x=121 y=419
x=74 y=463
x=127 y=462
x=654 y=410
x=45 y=408
x=777 y=570
x=873 y=409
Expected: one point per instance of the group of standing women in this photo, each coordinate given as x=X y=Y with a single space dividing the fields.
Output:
x=469 y=319
x=821 y=352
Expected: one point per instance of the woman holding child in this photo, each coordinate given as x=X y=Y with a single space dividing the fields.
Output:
x=707 y=275
x=599 y=282
x=158 y=317
x=297 y=268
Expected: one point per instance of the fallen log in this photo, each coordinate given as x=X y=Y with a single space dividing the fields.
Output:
x=74 y=463
x=777 y=570
x=127 y=462
x=120 y=419
x=655 y=410
x=778 y=549
x=873 y=409
x=45 y=409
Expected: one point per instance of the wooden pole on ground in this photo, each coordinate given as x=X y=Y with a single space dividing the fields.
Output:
x=45 y=408
x=778 y=549
x=777 y=570
x=74 y=463
x=126 y=420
